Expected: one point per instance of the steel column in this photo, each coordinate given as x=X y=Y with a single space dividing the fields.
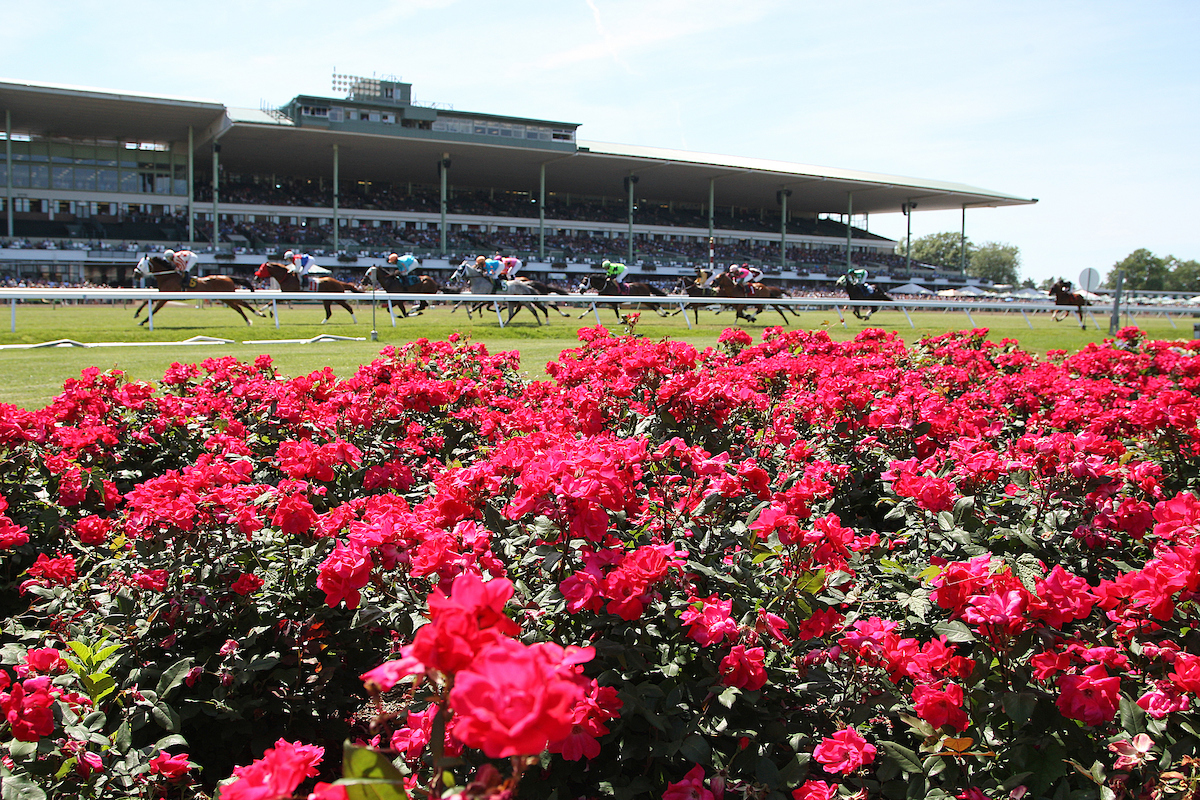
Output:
x=216 y=229
x=849 y=226
x=191 y=179
x=629 y=183
x=962 y=243
x=8 y=205
x=443 y=165
x=783 y=221
x=542 y=213
x=712 y=193
x=335 y=199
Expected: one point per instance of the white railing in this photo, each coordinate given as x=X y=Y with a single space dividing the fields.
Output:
x=16 y=296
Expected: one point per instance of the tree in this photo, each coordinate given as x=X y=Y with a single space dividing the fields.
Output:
x=939 y=249
x=1143 y=270
x=996 y=262
x=1183 y=276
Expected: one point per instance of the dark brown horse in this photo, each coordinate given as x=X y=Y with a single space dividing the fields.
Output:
x=631 y=291
x=725 y=286
x=290 y=282
x=170 y=280
x=1063 y=296
x=391 y=281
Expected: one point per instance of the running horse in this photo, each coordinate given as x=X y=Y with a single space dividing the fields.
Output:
x=1063 y=296
x=290 y=282
x=724 y=286
x=607 y=287
x=169 y=279
x=863 y=291
x=391 y=281
x=480 y=283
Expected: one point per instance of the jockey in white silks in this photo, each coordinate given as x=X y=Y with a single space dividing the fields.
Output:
x=301 y=264
x=718 y=273
x=183 y=260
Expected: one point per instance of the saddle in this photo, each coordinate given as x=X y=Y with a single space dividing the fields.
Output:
x=190 y=282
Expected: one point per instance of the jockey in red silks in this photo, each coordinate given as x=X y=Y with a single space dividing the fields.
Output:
x=510 y=266
x=299 y=264
x=745 y=274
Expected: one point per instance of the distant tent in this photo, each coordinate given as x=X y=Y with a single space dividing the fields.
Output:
x=910 y=288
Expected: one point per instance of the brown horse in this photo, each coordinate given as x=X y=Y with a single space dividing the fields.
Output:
x=169 y=280
x=391 y=281
x=1063 y=296
x=725 y=286
x=610 y=288
x=290 y=282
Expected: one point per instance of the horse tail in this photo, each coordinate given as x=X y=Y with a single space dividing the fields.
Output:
x=242 y=282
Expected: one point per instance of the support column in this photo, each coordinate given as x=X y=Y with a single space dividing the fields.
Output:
x=962 y=244
x=216 y=226
x=712 y=192
x=907 y=208
x=443 y=166
x=191 y=180
x=542 y=213
x=784 y=194
x=629 y=184
x=849 y=228
x=336 y=221
x=8 y=199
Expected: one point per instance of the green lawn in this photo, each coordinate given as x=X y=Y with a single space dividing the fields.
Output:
x=32 y=377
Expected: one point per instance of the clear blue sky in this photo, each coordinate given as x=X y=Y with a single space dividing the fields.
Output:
x=1092 y=107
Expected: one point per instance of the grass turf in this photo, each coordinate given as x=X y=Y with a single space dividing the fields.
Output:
x=30 y=378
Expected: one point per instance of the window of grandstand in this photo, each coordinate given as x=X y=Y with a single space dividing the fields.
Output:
x=314 y=111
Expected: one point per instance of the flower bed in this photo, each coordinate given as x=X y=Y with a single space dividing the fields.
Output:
x=794 y=567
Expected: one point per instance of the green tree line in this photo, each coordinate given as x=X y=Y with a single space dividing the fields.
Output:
x=1144 y=270
x=997 y=262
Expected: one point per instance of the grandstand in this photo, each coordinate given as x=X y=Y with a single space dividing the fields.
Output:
x=92 y=177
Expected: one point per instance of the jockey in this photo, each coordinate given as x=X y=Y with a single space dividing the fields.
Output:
x=856 y=276
x=510 y=266
x=404 y=265
x=183 y=260
x=299 y=264
x=718 y=272
x=614 y=270
x=746 y=275
x=492 y=268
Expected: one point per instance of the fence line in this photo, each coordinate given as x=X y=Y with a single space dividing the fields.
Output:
x=269 y=296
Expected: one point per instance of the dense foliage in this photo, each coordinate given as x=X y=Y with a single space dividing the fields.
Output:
x=793 y=567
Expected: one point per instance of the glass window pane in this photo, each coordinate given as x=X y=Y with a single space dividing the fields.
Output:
x=85 y=178
x=20 y=176
x=129 y=182
x=106 y=180
x=64 y=177
x=39 y=176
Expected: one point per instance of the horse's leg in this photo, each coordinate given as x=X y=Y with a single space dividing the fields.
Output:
x=236 y=305
x=348 y=308
x=138 y=313
x=158 y=304
x=786 y=321
x=1079 y=311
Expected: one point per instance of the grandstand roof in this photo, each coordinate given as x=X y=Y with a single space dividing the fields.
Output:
x=259 y=142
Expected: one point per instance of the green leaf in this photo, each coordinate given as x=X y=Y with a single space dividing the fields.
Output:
x=99 y=685
x=695 y=749
x=907 y=759
x=18 y=787
x=963 y=507
x=372 y=789
x=365 y=615
x=122 y=738
x=1019 y=706
x=365 y=762
x=954 y=631
x=165 y=716
x=945 y=520
x=173 y=676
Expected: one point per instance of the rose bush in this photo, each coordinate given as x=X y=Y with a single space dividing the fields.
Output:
x=796 y=567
